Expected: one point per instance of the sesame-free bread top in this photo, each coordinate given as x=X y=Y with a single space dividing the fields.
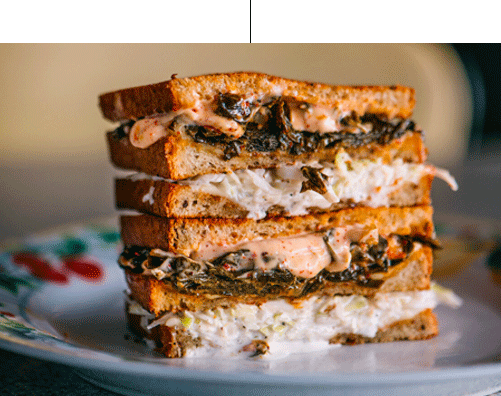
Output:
x=187 y=236
x=181 y=93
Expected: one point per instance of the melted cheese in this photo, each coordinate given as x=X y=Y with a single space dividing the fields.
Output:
x=147 y=131
x=311 y=118
x=203 y=115
x=340 y=245
x=304 y=256
x=314 y=118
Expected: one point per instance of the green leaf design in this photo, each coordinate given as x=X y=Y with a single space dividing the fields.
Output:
x=70 y=247
x=14 y=328
x=36 y=250
x=12 y=283
x=110 y=236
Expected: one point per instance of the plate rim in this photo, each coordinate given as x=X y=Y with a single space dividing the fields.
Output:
x=157 y=370
x=138 y=367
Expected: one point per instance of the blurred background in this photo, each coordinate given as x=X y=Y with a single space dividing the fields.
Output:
x=54 y=165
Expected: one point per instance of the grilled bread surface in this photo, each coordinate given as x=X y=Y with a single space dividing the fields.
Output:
x=167 y=199
x=183 y=93
x=186 y=236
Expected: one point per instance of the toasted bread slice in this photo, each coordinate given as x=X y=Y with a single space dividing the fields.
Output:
x=182 y=93
x=168 y=199
x=172 y=200
x=421 y=327
x=187 y=236
x=159 y=296
x=176 y=157
x=224 y=122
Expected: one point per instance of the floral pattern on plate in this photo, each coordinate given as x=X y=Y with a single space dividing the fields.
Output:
x=45 y=270
x=61 y=298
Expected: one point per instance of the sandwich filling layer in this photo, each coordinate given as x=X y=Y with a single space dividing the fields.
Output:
x=296 y=190
x=299 y=188
x=298 y=265
x=278 y=324
x=234 y=123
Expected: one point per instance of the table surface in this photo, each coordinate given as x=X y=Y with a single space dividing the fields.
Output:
x=22 y=375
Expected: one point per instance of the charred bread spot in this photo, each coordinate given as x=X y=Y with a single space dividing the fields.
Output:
x=233 y=107
x=123 y=130
x=315 y=180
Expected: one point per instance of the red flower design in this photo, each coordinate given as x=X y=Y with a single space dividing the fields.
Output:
x=83 y=267
x=39 y=268
x=5 y=313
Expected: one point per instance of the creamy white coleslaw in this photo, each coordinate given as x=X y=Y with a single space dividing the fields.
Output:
x=286 y=327
x=368 y=182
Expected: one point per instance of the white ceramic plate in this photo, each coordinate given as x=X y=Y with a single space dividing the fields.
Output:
x=61 y=299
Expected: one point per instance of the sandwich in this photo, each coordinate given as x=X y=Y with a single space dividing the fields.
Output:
x=272 y=215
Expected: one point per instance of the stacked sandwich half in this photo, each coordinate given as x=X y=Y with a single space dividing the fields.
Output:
x=276 y=215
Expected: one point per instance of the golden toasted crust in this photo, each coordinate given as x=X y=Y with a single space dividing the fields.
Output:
x=173 y=343
x=186 y=236
x=182 y=93
x=177 y=158
x=161 y=198
x=159 y=296
x=422 y=327
x=172 y=200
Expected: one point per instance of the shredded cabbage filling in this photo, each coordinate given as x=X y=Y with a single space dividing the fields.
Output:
x=367 y=182
x=316 y=320
x=321 y=185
